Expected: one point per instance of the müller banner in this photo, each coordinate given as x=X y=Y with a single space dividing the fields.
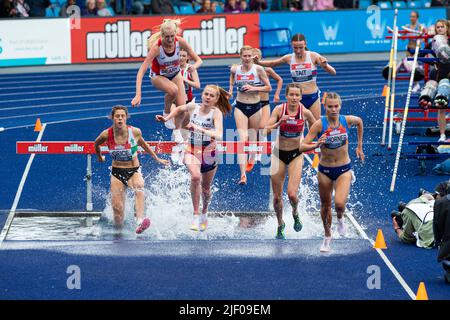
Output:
x=125 y=39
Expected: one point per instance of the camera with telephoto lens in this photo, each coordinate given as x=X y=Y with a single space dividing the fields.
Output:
x=423 y=191
x=397 y=214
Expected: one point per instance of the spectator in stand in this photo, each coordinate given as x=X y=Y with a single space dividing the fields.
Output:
x=90 y=9
x=244 y=6
x=7 y=9
x=343 y=4
x=293 y=5
x=63 y=13
x=213 y=7
x=317 y=5
x=258 y=5
x=37 y=7
x=137 y=8
x=102 y=11
x=440 y=3
x=206 y=7
x=162 y=7
x=22 y=9
x=232 y=7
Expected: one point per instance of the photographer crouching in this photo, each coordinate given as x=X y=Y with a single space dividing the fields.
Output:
x=413 y=222
x=441 y=226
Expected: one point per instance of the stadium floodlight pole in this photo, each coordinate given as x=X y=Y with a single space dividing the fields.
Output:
x=392 y=99
x=388 y=88
x=405 y=115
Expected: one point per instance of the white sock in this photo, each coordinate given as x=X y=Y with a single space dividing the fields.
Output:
x=325 y=244
x=177 y=136
x=139 y=221
x=341 y=226
x=203 y=218
x=443 y=137
x=196 y=220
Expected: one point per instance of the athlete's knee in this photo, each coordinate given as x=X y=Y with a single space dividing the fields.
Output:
x=292 y=195
x=326 y=206
x=139 y=189
x=118 y=208
x=172 y=91
x=243 y=136
x=195 y=178
x=206 y=193
x=277 y=200
x=339 y=206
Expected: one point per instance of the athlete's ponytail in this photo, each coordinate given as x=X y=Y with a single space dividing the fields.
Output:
x=223 y=104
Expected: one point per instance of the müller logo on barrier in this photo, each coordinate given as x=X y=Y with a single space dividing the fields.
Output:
x=118 y=41
x=74 y=148
x=37 y=148
x=126 y=39
x=214 y=37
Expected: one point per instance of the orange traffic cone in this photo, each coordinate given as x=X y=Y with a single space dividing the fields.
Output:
x=385 y=92
x=315 y=163
x=422 y=292
x=38 y=125
x=379 y=241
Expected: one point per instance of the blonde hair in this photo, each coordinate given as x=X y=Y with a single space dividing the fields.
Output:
x=245 y=48
x=446 y=23
x=257 y=52
x=162 y=28
x=222 y=103
x=332 y=95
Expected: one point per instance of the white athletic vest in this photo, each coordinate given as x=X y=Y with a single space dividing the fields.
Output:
x=303 y=72
x=206 y=122
x=242 y=78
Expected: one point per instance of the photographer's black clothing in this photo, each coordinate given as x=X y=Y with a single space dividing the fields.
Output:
x=441 y=227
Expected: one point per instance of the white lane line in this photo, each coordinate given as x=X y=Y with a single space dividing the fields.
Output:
x=356 y=74
x=380 y=252
x=68 y=111
x=142 y=105
x=130 y=93
x=72 y=90
x=80 y=119
x=133 y=81
x=12 y=212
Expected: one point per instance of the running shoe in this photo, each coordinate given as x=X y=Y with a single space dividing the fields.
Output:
x=297 y=223
x=203 y=223
x=144 y=225
x=169 y=124
x=177 y=155
x=326 y=245
x=195 y=225
x=250 y=165
x=280 y=232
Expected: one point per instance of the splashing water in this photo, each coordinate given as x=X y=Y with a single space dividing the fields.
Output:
x=169 y=206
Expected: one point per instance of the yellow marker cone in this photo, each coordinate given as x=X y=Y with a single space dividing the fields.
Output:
x=315 y=163
x=422 y=292
x=385 y=92
x=38 y=125
x=379 y=241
